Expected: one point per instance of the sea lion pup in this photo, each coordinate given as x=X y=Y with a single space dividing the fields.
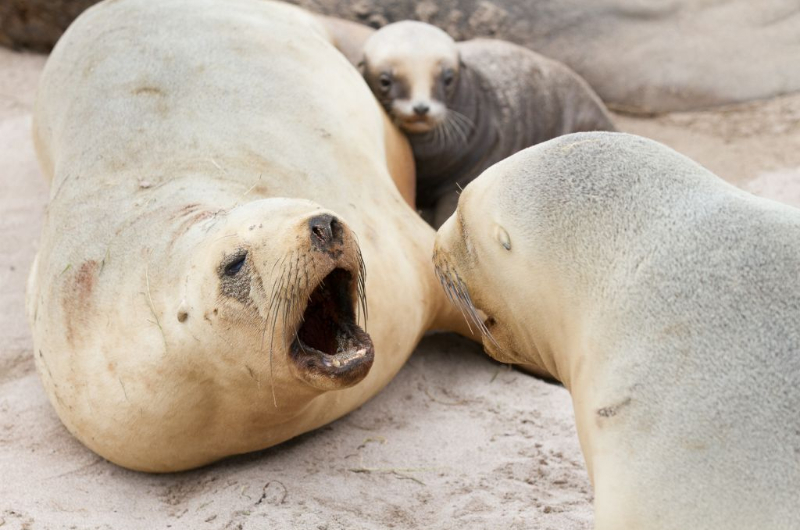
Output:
x=667 y=302
x=217 y=212
x=349 y=37
x=468 y=105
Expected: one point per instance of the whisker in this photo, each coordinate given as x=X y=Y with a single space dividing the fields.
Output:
x=274 y=310
x=462 y=128
x=456 y=291
x=462 y=118
x=433 y=136
x=467 y=124
x=452 y=294
x=362 y=287
x=448 y=133
x=454 y=127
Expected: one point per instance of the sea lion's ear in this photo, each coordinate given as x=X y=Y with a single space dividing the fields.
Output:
x=362 y=65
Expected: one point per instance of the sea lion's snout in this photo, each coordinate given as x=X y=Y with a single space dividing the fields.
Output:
x=326 y=231
x=421 y=108
x=299 y=269
x=329 y=350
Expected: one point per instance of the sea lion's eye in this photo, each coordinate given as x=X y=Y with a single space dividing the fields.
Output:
x=448 y=76
x=385 y=81
x=501 y=236
x=233 y=267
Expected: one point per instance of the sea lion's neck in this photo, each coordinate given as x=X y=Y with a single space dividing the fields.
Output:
x=568 y=353
x=454 y=152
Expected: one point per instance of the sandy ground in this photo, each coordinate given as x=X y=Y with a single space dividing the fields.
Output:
x=455 y=441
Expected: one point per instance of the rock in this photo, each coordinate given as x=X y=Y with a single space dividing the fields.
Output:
x=37 y=24
x=650 y=57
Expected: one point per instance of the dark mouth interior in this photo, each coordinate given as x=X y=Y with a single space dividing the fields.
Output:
x=329 y=320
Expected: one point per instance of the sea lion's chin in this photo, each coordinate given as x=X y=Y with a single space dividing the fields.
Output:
x=498 y=352
x=418 y=126
x=330 y=351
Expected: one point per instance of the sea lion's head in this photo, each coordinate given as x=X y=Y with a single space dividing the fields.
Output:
x=273 y=291
x=501 y=256
x=539 y=240
x=478 y=263
x=413 y=70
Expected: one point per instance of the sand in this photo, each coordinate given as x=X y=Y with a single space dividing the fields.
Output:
x=455 y=441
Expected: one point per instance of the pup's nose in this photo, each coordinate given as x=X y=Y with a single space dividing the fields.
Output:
x=326 y=230
x=421 y=109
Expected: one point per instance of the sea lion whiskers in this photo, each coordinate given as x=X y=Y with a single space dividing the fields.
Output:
x=361 y=286
x=456 y=291
x=437 y=135
x=453 y=130
x=454 y=294
x=444 y=135
x=456 y=135
x=440 y=135
x=273 y=310
x=459 y=129
x=448 y=134
x=283 y=303
x=465 y=125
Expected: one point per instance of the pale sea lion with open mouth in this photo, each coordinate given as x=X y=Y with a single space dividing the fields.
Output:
x=222 y=219
x=468 y=105
x=667 y=302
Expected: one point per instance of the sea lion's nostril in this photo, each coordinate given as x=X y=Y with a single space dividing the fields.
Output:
x=325 y=230
x=321 y=233
x=421 y=109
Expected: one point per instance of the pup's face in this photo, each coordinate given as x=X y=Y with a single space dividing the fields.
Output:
x=412 y=68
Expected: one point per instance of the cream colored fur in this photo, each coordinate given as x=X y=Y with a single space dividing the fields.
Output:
x=174 y=133
x=667 y=302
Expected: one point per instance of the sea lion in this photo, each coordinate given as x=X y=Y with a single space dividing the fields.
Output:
x=666 y=300
x=467 y=105
x=221 y=201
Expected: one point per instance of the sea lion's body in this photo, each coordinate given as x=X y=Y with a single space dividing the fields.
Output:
x=504 y=98
x=667 y=302
x=179 y=135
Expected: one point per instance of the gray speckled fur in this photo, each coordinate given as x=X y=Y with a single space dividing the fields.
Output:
x=694 y=297
x=516 y=98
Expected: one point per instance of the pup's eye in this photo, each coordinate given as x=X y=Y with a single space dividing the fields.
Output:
x=235 y=265
x=385 y=81
x=448 y=76
x=501 y=236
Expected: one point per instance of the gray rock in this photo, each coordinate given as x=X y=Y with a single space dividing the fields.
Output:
x=641 y=56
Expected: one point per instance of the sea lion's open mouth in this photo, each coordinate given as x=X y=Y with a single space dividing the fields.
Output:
x=330 y=350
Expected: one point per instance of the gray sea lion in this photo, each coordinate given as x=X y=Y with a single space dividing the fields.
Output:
x=468 y=105
x=222 y=199
x=667 y=302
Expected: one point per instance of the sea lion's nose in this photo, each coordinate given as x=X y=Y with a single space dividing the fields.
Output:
x=326 y=230
x=421 y=109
